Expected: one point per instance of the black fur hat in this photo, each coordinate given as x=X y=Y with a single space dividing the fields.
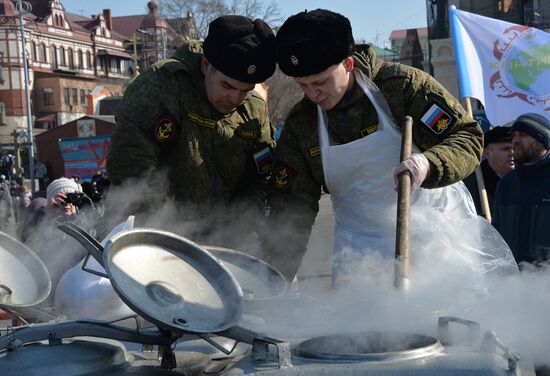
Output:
x=498 y=134
x=310 y=42
x=241 y=48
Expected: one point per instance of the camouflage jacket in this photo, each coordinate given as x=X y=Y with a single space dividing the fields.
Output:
x=166 y=122
x=453 y=145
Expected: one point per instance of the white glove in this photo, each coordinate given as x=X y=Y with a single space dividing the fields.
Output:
x=419 y=167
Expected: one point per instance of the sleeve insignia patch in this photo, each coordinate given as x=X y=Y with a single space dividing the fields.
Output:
x=263 y=160
x=199 y=120
x=165 y=130
x=437 y=119
x=369 y=130
x=282 y=178
x=315 y=151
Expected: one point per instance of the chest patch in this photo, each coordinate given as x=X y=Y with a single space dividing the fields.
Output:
x=315 y=151
x=437 y=119
x=249 y=134
x=199 y=120
x=369 y=130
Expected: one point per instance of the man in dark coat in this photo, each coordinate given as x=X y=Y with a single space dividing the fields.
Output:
x=498 y=161
x=522 y=204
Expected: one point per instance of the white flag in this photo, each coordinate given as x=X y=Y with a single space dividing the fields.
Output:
x=504 y=65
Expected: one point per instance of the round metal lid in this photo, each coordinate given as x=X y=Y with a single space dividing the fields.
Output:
x=24 y=279
x=172 y=282
x=258 y=279
x=370 y=346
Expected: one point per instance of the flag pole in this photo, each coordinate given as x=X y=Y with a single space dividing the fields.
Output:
x=466 y=91
x=479 y=176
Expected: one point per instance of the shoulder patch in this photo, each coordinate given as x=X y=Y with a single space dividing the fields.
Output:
x=315 y=151
x=282 y=178
x=263 y=159
x=165 y=130
x=199 y=120
x=437 y=118
x=369 y=130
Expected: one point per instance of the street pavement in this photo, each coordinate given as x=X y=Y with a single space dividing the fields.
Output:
x=315 y=271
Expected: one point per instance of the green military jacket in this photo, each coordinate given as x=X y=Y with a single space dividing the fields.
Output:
x=453 y=146
x=166 y=122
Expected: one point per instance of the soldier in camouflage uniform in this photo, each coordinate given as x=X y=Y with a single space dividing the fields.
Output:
x=197 y=118
x=317 y=49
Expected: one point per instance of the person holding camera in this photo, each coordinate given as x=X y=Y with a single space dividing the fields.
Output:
x=65 y=202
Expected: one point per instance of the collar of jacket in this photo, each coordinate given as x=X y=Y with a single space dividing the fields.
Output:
x=366 y=61
x=527 y=171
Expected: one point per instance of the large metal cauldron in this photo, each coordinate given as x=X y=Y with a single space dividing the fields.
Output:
x=388 y=353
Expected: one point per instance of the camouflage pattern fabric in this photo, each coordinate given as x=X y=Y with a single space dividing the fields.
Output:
x=449 y=138
x=167 y=123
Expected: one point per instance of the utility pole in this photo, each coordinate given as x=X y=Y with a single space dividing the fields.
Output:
x=27 y=90
x=136 y=66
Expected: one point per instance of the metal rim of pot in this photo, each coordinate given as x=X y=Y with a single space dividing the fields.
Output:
x=259 y=281
x=24 y=279
x=152 y=286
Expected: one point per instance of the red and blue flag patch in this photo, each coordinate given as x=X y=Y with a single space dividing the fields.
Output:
x=436 y=119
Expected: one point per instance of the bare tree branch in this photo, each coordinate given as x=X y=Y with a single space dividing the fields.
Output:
x=205 y=11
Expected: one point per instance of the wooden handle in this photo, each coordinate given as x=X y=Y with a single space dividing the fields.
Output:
x=401 y=273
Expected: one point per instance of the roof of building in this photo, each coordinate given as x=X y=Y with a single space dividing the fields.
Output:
x=402 y=33
x=127 y=25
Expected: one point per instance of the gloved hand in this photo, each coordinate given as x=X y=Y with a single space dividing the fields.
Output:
x=419 y=167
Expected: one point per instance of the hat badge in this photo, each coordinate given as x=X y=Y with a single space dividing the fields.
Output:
x=294 y=60
x=251 y=69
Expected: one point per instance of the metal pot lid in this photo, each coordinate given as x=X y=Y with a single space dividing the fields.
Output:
x=172 y=282
x=370 y=346
x=24 y=279
x=258 y=279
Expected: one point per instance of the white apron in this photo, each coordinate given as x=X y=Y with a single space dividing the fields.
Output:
x=360 y=180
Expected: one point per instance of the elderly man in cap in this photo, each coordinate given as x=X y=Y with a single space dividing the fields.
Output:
x=343 y=137
x=497 y=162
x=197 y=118
x=522 y=204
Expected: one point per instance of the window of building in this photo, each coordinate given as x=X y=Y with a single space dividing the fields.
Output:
x=80 y=59
x=54 y=57
x=89 y=59
x=43 y=52
x=33 y=51
x=75 y=96
x=62 y=56
x=82 y=97
x=67 y=96
x=71 y=58
x=47 y=94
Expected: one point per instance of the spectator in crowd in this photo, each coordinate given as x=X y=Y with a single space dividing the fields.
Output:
x=522 y=204
x=6 y=203
x=41 y=173
x=63 y=204
x=498 y=161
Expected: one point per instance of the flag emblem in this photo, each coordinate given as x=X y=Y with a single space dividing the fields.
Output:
x=436 y=119
x=263 y=160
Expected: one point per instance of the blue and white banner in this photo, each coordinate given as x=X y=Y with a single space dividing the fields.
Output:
x=504 y=65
